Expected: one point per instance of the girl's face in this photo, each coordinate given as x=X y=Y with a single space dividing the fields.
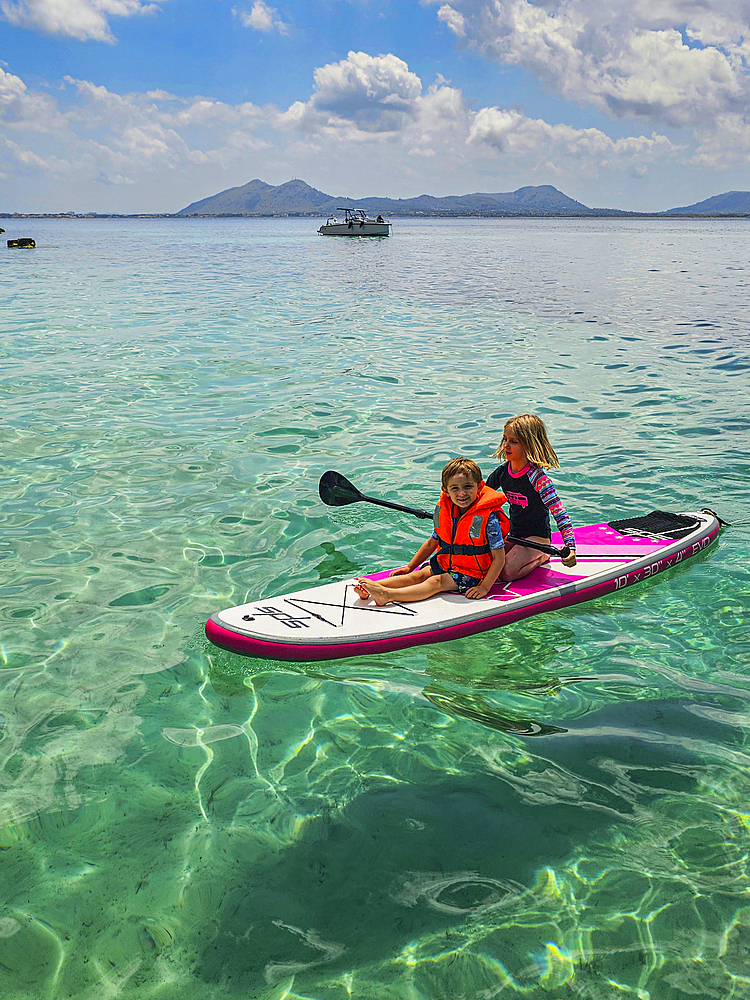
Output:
x=513 y=450
x=462 y=490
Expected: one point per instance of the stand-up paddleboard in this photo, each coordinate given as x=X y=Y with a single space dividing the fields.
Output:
x=330 y=621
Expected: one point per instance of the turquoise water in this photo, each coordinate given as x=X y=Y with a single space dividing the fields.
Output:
x=555 y=809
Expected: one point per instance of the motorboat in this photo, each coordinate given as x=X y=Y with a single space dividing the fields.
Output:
x=355 y=223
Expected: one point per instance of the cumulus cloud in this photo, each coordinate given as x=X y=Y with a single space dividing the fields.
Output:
x=100 y=106
x=671 y=60
x=24 y=109
x=563 y=149
x=121 y=135
x=261 y=17
x=82 y=19
x=29 y=161
x=454 y=19
x=370 y=115
x=723 y=143
x=369 y=93
x=362 y=98
x=367 y=96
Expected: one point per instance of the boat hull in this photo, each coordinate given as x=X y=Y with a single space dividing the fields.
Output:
x=356 y=229
x=330 y=621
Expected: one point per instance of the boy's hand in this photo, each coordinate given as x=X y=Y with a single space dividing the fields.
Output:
x=479 y=591
x=401 y=571
x=569 y=560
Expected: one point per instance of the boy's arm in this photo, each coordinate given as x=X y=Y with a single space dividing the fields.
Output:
x=496 y=568
x=423 y=553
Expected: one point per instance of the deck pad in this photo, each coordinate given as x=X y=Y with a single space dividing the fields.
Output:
x=330 y=621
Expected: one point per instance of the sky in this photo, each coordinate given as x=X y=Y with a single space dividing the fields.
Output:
x=129 y=106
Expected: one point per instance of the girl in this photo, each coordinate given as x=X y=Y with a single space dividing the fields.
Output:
x=530 y=493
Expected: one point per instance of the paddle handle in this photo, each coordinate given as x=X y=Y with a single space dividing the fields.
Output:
x=551 y=550
x=425 y=515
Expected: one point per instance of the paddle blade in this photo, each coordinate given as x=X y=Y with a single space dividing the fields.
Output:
x=336 y=490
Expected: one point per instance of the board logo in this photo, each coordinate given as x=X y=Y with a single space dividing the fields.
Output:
x=280 y=616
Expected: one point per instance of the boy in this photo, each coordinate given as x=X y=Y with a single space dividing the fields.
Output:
x=467 y=545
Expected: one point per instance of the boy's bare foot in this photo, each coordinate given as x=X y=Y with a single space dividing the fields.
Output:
x=374 y=590
x=361 y=590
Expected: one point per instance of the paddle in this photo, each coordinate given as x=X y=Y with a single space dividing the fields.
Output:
x=336 y=491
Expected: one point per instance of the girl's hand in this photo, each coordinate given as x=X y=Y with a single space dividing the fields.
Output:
x=569 y=560
x=401 y=571
x=476 y=592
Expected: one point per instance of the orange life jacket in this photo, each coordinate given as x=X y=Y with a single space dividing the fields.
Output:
x=462 y=535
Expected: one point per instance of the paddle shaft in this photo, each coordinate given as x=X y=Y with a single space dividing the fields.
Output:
x=336 y=490
x=425 y=515
x=551 y=550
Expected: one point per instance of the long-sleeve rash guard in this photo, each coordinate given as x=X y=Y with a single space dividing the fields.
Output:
x=532 y=498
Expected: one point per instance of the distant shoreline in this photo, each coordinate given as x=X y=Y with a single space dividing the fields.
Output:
x=604 y=214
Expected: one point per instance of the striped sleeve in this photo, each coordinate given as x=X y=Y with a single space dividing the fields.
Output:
x=548 y=495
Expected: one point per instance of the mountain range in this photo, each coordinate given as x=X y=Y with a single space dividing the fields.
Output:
x=295 y=197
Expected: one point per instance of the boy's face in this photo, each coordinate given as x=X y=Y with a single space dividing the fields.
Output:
x=462 y=490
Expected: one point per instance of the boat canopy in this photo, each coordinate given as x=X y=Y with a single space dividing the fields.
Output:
x=353 y=213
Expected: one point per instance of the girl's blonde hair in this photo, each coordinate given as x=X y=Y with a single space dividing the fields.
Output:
x=531 y=432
